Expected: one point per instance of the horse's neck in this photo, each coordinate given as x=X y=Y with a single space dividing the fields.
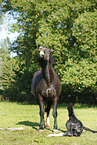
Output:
x=72 y=118
x=48 y=73
x=71 y=114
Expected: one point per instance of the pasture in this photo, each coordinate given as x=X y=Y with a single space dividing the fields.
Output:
x=13 y=115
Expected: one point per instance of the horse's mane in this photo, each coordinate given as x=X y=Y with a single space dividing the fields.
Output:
x=52 y=61
x=42 y=61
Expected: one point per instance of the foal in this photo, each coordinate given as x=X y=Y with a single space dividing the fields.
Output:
x=73 y=125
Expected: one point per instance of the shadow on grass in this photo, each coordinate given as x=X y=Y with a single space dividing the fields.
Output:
x=34 y=125
x=28 y=123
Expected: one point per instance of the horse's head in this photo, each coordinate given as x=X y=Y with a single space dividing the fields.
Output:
x=44 y=53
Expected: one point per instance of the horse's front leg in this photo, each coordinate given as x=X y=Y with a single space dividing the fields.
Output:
x=49 y=103
x=40 y=101
x=55 y=114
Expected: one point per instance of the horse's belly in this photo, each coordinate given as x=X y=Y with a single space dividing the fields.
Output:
x=35 y=82
x=33 y=87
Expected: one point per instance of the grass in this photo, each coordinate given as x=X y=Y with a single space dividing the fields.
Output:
x=27 y=116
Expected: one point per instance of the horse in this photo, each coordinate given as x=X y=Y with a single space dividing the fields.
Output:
x=74 y=125
x=46 y=87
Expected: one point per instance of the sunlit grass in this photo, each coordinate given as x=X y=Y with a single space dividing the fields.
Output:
x=27 y=116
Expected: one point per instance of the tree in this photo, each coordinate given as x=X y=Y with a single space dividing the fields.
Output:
x=61 y=29
x=65 y=26
x=8 y=75
x=25 y=45
x=3 y=53
x=0 y=72
x=6 y=69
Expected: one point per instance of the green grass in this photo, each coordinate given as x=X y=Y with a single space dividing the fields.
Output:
x=27 y=116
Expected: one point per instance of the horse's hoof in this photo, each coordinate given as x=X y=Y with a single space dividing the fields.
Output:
x=41 y=130
x=55 y=130
x=47 y=126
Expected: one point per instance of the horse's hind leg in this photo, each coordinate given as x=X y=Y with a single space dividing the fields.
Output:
x=55 y=114
x=48 y=110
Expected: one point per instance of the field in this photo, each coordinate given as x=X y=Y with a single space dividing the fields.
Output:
x=14 y=115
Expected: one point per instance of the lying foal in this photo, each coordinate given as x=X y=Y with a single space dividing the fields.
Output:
x=73 y=125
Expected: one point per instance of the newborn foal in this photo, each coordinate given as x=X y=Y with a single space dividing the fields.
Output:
x=73 y=125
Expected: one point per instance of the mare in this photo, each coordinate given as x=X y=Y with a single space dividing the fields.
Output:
x=46 y=87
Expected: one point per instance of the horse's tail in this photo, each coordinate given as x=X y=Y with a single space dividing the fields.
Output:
x=87 y=129
x=60 y=134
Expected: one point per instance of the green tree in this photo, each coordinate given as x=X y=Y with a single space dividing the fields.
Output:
x=6 y=69
x=0 y=72
x=8 y=75
x=25 y=45
x=69 y=27
x=3 y=53
x=7 y=72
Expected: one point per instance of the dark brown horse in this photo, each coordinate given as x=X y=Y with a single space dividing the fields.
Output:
x=46 y=87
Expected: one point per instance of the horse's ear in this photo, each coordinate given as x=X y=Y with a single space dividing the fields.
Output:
x=52 y=51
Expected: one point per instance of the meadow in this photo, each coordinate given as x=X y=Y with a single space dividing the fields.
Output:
x=14 y=115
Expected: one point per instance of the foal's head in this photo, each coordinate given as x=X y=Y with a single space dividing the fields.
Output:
x=44 y=54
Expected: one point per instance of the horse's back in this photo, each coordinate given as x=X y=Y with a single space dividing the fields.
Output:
x=34 y=81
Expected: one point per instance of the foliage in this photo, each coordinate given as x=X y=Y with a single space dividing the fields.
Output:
x=7 y=72
x=15 y=115
x=4 y=54
x=85 y=32
x=76 y=75
x=7 y=77
x=69 y=27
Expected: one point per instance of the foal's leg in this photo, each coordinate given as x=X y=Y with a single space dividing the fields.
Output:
x=55 y=114
x=48 y=110
x=40 y=101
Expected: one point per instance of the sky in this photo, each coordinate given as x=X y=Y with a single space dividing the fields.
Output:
x=4 y=30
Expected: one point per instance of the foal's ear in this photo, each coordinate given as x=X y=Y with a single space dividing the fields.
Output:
x=52 y=51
